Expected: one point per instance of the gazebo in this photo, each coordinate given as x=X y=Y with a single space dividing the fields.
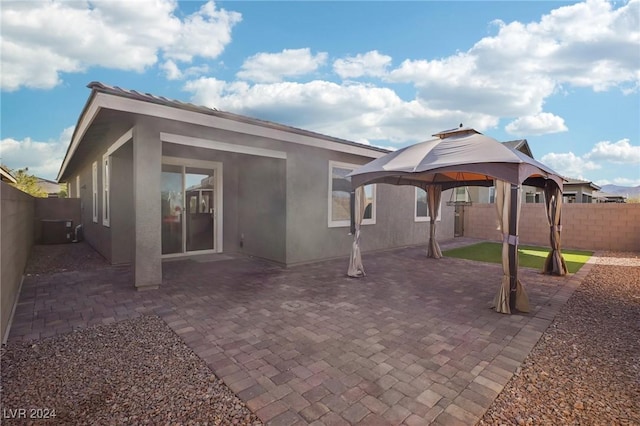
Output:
x=466 y=157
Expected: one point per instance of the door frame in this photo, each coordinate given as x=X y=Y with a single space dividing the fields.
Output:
x=216 y=166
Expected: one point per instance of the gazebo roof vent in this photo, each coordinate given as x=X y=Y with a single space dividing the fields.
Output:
x=457 y=131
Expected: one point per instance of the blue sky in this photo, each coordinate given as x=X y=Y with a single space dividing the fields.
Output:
x=563 y=75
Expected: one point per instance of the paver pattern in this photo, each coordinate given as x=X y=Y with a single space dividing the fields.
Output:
x=414 y=342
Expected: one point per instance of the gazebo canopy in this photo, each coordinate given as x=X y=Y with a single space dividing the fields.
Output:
x=465 y=157
x=459 y=157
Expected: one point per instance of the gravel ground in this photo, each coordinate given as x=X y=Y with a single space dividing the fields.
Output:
x=585 y=369
x=131 y=372
x=52 y=258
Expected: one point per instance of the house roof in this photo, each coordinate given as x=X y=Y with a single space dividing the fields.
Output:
x=100 y=93
x=574 y=181
x=148 y=97
x=601 y=194
x=521 y=145
x=580 y=182
x=49 y=186
x=161 y=100
x=6 y=176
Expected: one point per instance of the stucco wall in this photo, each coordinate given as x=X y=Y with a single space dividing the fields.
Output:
x=262 y=212
x=290 y=225
x=584 y=226
x=17 y=211
x=96 y=234
x=310 y=238
x=122 y=224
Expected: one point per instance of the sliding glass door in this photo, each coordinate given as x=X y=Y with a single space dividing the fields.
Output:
x=190 y=198
x=172 y=206
x=200 y=214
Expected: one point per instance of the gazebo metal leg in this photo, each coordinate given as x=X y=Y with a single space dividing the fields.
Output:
x=513 y=248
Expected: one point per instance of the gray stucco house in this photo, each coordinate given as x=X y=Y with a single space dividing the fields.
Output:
x=158 y=178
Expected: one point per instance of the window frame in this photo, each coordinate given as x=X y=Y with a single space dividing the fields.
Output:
x=106 y=187
x=347 y=223
x=94 y=186
x=427 y=218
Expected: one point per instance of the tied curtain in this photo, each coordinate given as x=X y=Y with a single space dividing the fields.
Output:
x=433 y=201
x=554 y=264
x=356 y=268
x=504 y=200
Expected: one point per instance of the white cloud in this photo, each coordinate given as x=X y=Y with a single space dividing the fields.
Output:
x=273 y=67
x=205 y=33
x=172 y=72
x=371 y=64
x=40 y=40
x=569 y=165
x=538 y=124
x=511 y=74
x=357 y=112
x=621 y=152
x=42 y=158
x=576 y=166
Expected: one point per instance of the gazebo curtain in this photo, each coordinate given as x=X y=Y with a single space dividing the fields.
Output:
x=509 y=269
x=356 y=268
x=554 y=264
x=433 y=201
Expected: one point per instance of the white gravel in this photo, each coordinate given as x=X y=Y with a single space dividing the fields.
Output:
x=585 y=369
x=131 y=372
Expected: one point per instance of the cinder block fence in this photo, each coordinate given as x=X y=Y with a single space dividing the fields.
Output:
x=20 y=228
x=607 y=226
x=17 y=212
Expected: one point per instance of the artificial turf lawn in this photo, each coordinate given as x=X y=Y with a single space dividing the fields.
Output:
x=528 y=256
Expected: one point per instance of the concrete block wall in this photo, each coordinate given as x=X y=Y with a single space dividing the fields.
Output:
x=584 y=226
x=17 y=212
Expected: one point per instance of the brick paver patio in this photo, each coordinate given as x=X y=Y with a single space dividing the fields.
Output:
x=412 y=343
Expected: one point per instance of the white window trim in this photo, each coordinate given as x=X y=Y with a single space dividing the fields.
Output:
x=106 y=178
x=78 y=186
x=94 y=184
x=346 y=223
x=417 y=218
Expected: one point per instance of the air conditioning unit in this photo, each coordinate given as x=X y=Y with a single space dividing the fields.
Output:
x=57 y=231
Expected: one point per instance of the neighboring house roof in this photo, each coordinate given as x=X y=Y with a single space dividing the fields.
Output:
x=6 y=176
x=100 y=93
x=579 y=182
x=521 y=145
x=608 y=196
x=49 y=186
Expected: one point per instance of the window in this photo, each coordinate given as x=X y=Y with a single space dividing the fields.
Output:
x=462 y=194
x=105 y=190
x=492 y=194
x=94 y=183
x=78 y=186
x=421 y=212
x=340 y=199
